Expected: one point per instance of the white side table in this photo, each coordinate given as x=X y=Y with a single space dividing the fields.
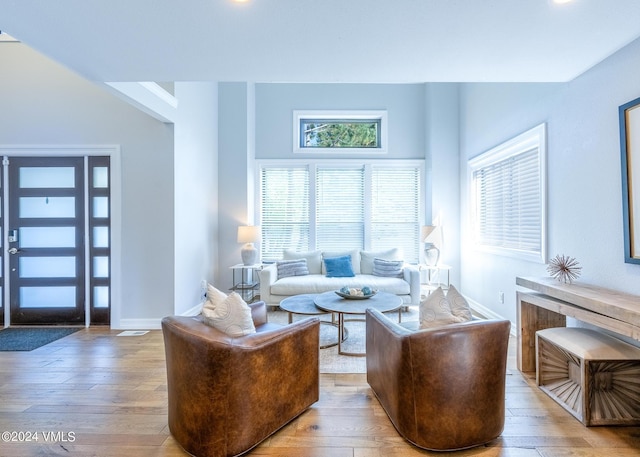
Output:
x=437 y=276
x=246 y=281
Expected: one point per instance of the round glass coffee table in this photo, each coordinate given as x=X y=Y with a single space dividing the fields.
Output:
x=333 y=303
x=304 y=304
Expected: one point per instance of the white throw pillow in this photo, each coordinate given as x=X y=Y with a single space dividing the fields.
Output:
x=435 y=311
x=459 y=305
x=231 y=316
x=215 y=296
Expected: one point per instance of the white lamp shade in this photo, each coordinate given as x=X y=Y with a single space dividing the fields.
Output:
x=249 y=233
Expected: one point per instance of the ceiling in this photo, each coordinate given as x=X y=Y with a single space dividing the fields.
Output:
x=383 y=41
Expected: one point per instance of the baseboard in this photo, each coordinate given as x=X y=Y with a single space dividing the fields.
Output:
x=152 y=324
x=489 y=314
x=193 y=311
x=138 y=324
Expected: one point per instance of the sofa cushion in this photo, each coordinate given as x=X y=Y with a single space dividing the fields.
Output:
x=390 y=268
x=317 y=284
x=296 y=267
x=355 y=259
x=367 y=258
x=338 y=267
x=435 y=311
x=313 y=258
x=231 y=316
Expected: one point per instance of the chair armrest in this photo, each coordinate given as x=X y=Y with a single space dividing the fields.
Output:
x=268 y=275
x=412 y=276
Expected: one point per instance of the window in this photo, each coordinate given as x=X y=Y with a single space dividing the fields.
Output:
x=508 y=197
x=373 y=206
x=339 y=131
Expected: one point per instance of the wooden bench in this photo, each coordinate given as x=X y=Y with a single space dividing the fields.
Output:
x=594 y=376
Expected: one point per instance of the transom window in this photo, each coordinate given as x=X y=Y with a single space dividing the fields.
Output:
x=508 y=186
x=373 y=206
x=339 y=131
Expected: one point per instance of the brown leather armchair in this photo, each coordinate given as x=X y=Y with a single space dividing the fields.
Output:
x=226 y=394
x=444 y=388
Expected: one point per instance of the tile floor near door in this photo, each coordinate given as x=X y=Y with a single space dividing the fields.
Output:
x=98 y=394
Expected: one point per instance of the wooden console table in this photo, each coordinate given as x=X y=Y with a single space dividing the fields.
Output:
x=551 y=301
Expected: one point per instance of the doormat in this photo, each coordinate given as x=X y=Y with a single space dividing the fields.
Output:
x=28 y=339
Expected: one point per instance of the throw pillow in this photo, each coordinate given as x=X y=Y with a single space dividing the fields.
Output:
x=215 y=296
x=388 y=268
x=435 y=311
x=459 y=306
x=367 y=258
x=231 y=316
x=288 y=268
x=313 y=258
x=354 y=254
x=339 y=267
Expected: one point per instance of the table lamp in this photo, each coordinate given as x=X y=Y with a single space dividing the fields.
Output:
x=249 y=234
x=430 y=235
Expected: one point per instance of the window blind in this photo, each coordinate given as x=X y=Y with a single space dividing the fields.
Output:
x=284 y=198
x=509 y=203
x=395 y=204
x=339 y=208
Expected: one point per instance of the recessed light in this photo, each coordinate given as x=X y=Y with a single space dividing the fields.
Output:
x=561 y=2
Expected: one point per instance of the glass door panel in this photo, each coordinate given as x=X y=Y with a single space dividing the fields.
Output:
x=100 y=241
x=46 y=240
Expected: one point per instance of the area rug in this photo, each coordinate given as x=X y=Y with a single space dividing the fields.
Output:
x=330 y=360
x=30 y=338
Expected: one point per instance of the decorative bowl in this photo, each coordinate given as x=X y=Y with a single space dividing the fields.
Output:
x=356 y=297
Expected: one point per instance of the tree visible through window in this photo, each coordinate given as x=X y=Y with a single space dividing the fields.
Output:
x=340 y=134
x=340 y=131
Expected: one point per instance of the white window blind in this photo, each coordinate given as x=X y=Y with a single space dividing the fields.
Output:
x=508 y=201
x=395 y=206
x=284 y=201
x=336 y=207
x=339 y=208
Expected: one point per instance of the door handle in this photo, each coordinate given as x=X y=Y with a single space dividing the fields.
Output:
x=13 y=251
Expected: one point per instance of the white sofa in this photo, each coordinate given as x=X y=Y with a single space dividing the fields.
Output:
x=273 y=289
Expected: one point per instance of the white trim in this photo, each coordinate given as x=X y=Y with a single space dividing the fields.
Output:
x=148 y=97
x=113 y=151
x=381 y=115
x=193 y=311
x=139 y=324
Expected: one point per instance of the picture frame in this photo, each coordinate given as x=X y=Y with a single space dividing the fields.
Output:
x=629 y=118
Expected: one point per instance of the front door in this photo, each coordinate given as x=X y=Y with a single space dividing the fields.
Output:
x=46 y=240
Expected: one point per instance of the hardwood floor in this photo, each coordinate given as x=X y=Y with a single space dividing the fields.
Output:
x=98 y=394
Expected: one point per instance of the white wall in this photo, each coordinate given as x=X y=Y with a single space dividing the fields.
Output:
x=275 y=104
x=584 y=177
x=423 y=124
x=443 y=161
x=196 y=192
x=44 y=103
x=235 y=105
